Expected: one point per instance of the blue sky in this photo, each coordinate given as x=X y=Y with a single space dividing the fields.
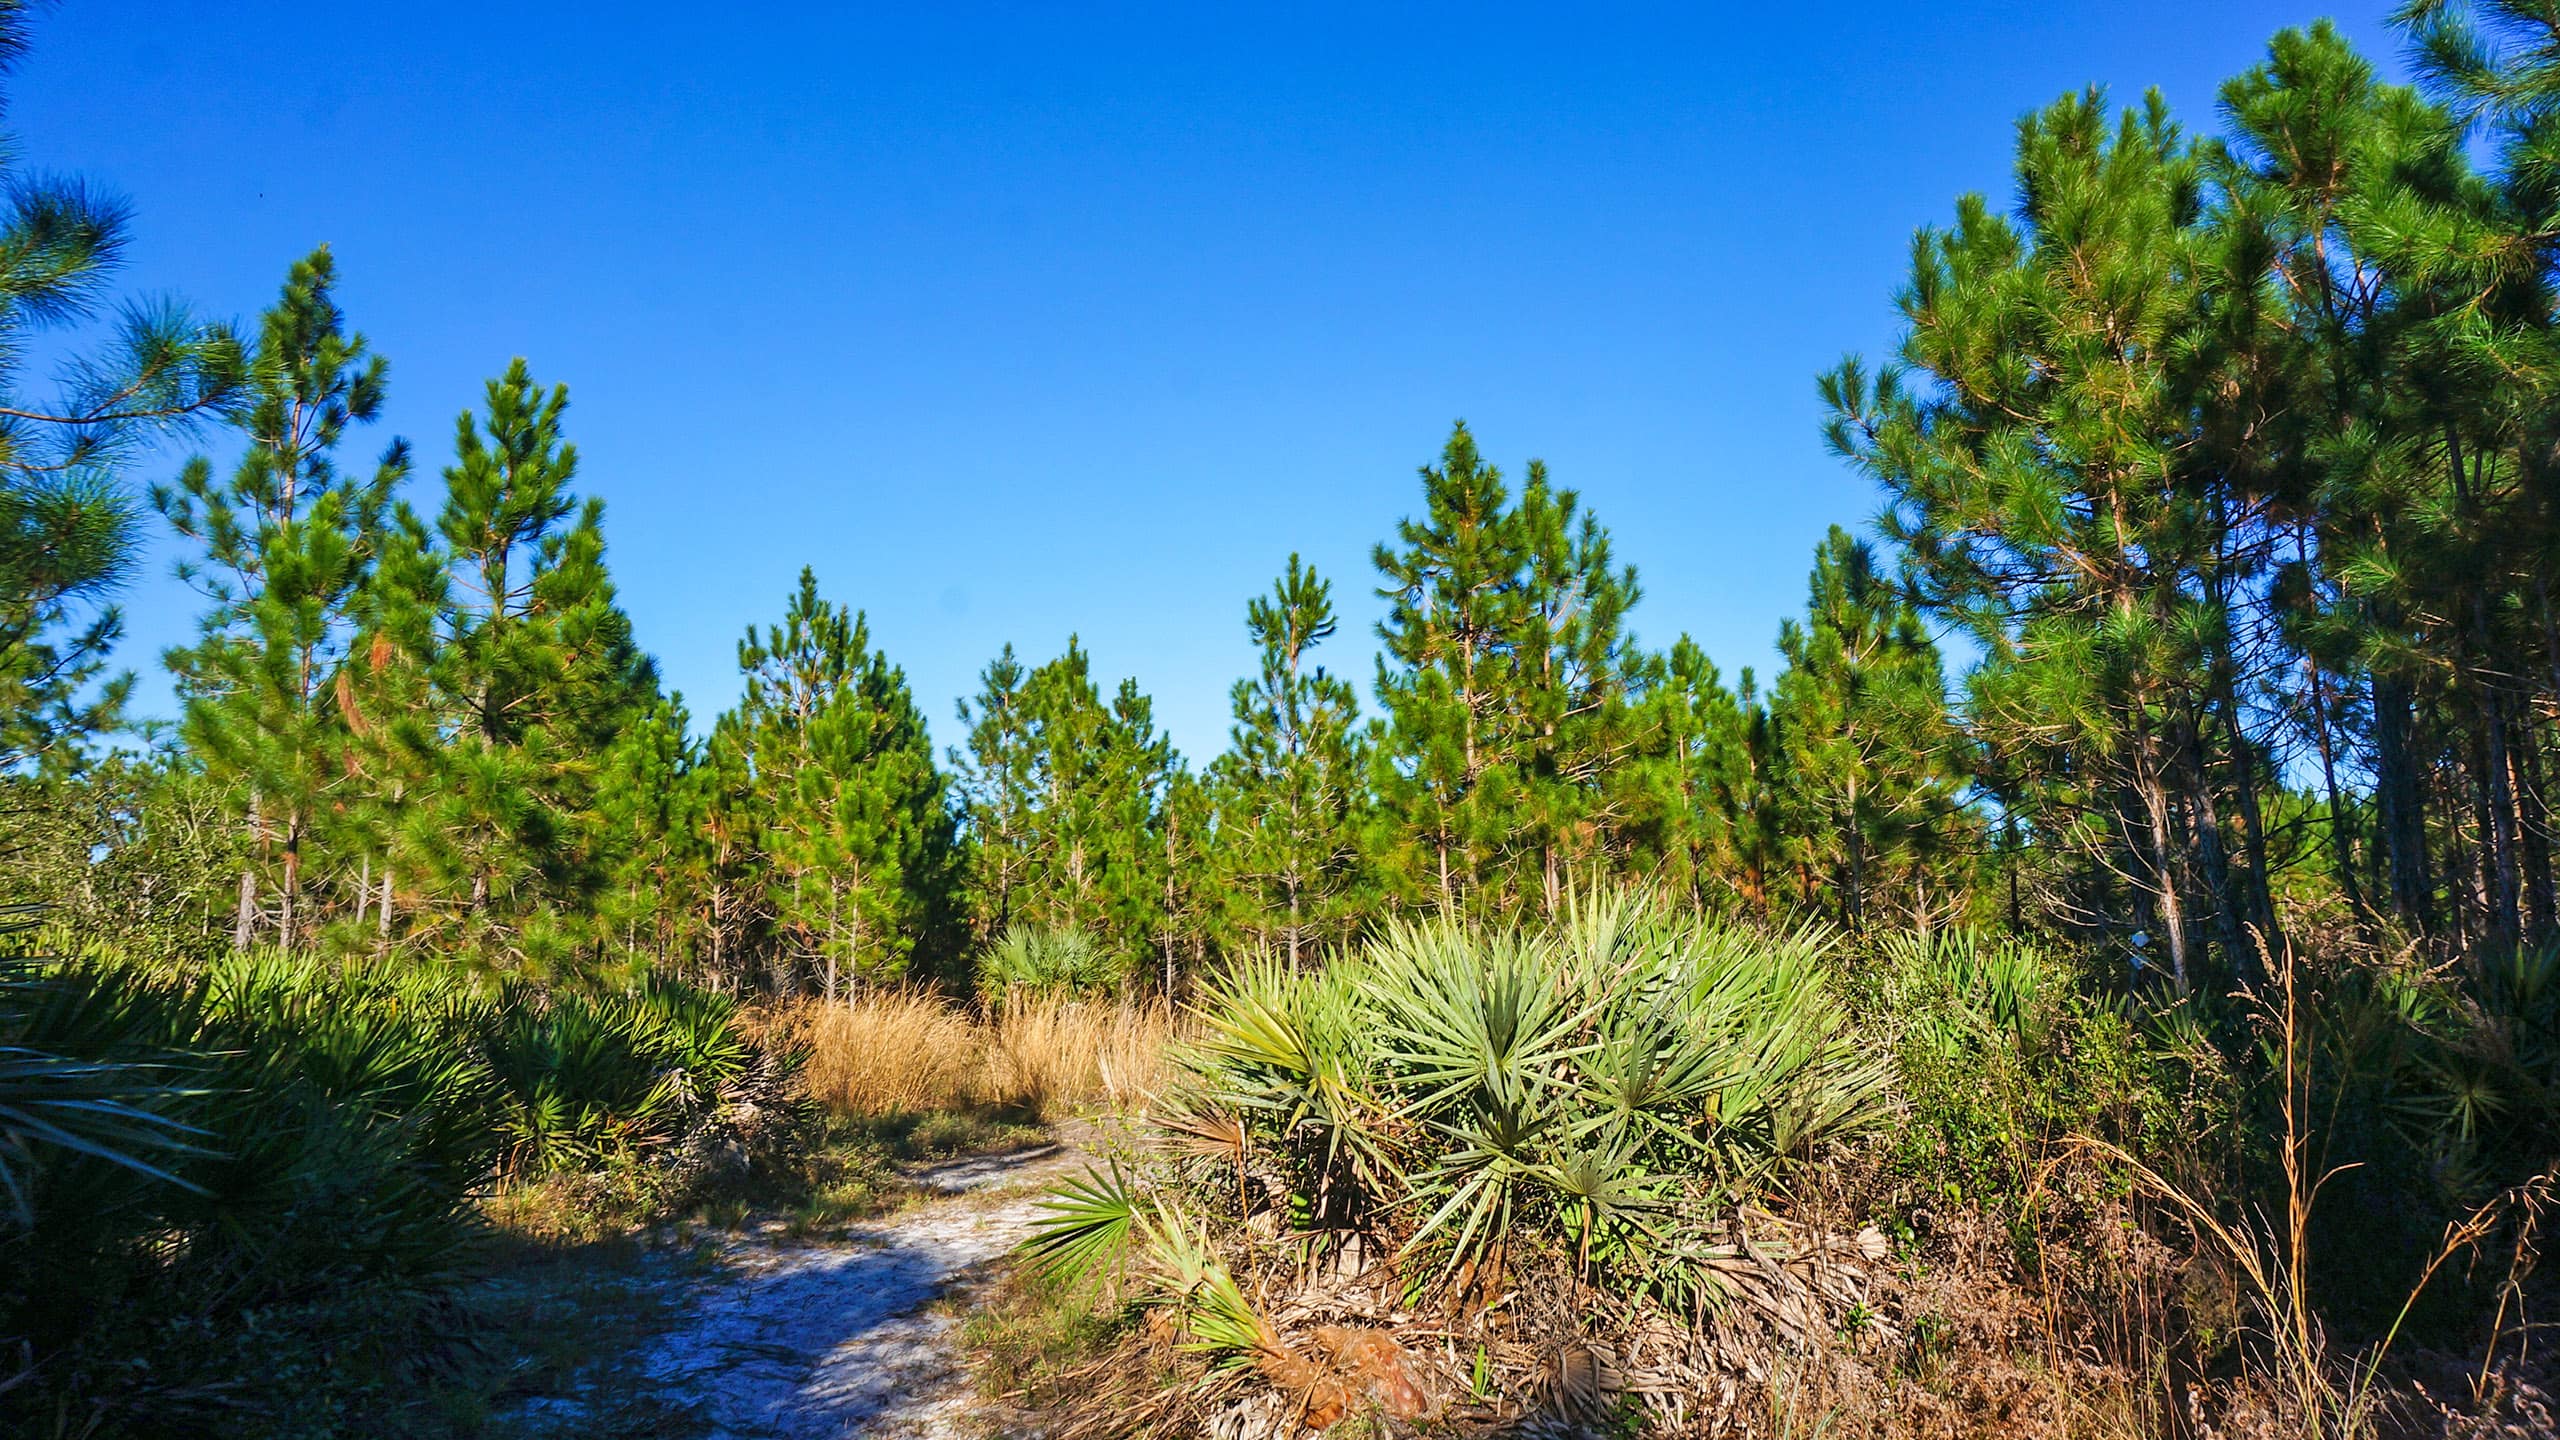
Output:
x=1016 y=321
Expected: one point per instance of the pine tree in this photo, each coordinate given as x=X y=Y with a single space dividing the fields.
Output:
x=2060 y=484
x=994 y=777
x=1690 y=792
x=287 y=545
x=1199 y=915
x=855 y=834
x=1066 y=796
x=652 y=804
x=734 y=878
x=1511 y=693
x=67 y=525
x=1444 y=767
x=1289 y=790
x=1871 y=758
x=1576 y=677
x=531 y=674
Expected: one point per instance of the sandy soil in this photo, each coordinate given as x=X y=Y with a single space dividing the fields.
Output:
x=820 y=1340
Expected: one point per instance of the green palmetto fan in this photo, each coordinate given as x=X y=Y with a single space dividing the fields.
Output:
x=1607 y=1196
x=1480 y=1032
x=1096 y=1223
x=1609 y=1075
x=1084 y=1227
x=1475 y=1016
x=1999 y=986
x=578 y=1079
x=1491 y=1155
x=1050 y=960
x=1284 y=1051
x=109 y=1109
x=1218 y=1323
x=102 y=1109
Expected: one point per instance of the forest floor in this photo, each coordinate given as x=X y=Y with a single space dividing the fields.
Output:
x=771 y=1332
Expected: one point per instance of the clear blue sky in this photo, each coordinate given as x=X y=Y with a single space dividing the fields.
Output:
x=1018 y=321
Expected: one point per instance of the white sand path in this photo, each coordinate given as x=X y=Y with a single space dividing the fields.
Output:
x=832 y=1340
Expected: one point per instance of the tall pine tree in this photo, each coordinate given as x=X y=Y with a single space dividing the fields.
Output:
x=854 y=831
x=1289 y=791
x=287 y=545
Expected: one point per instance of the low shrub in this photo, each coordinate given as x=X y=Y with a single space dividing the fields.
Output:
x=300 y=1127
x=1638 y=1172
x=1567 y=1128
x=1049 y=962
x=1999 y=1054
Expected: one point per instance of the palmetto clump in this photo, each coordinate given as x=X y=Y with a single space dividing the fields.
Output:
x=1454 y=1116
x=1049 y=961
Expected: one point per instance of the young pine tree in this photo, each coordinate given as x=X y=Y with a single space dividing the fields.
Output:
x=1444 y=765
x=1871 y=757
x=1503 y=769
x=1065 y=797
x=1577 y=672
x=652 y=802
x=996 y=782
x=287 y=544
x=1289 y=790
x=531 y=674
x=1691 y=788
x=855 y=833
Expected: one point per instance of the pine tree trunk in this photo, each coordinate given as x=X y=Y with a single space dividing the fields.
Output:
x=2011 y=849
x=2342 y=846
x=2533 y=822
x=2499 y=810
x=1853 y=904
x=2403 y=806
x=2255 y=893
x=2153 y=795
x=244 y=927
x=244 y=923
x=835 y=937
x=2212 y=857
x=287 y=920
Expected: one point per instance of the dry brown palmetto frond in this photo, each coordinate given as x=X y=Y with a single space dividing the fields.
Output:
x=1209 y=1134
x=1801 y=1282
x=1579 y=1380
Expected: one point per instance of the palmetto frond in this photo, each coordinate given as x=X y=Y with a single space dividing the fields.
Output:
x=1084 y=1227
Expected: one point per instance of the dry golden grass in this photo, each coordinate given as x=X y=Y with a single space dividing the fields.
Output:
x=889 y=1052
x=909 y=1052
x=1052 y=1053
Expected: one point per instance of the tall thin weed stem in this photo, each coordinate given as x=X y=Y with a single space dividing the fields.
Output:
x=2275 y=1262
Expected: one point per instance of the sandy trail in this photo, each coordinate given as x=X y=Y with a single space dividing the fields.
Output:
x=822 y=1340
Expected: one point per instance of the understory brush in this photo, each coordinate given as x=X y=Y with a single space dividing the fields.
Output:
x=1481 y=1176
x=296 y=1133
x=1641 y=1172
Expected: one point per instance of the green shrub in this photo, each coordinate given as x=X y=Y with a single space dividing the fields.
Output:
x=2001 y=1056
x=1601 y=1091
x=1050 y=960
x=300 y=1127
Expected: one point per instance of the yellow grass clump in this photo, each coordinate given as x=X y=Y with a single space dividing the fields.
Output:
x=910 y=1052
x=1045 y=1053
